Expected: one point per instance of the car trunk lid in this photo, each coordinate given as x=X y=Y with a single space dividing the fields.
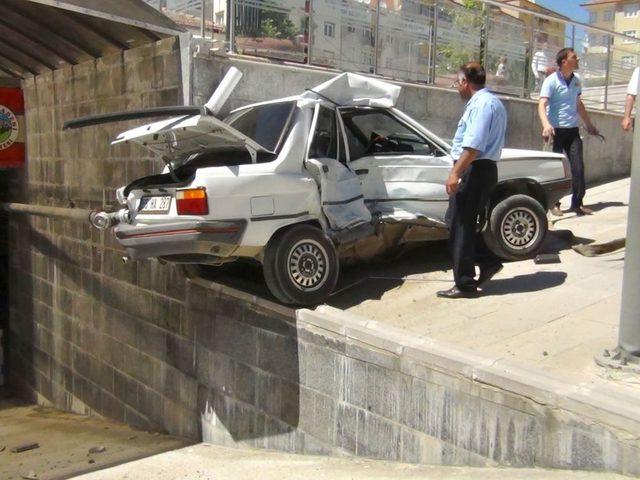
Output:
x=176 y=139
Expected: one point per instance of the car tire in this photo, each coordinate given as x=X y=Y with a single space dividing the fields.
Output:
x=517 y=227
x=301 y=265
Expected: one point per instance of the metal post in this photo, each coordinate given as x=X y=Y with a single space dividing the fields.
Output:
x=627 y=355
x=202 y=18
x=608 y=71
x=484 y=39
x=310 y=27
x=434 y=45
x=375 y=41
x=231 y=25
x=528 y=58
x=573 y=36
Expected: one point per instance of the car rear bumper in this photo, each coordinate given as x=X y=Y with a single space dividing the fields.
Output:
x=216 y=238
x=555 y=190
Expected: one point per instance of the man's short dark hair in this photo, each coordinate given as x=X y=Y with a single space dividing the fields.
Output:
x=562 y=55
x=474 y=73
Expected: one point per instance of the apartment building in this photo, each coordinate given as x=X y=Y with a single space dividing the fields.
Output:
x=621 y=16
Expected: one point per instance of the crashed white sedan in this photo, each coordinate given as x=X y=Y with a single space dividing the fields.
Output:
x=302 y=183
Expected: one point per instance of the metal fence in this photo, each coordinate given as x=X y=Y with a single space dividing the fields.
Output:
x=419 y=40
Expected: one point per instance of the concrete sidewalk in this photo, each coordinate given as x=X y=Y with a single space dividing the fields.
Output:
x=552 y=317
x=208 y=462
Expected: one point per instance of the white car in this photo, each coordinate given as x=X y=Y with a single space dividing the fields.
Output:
x=303 y=182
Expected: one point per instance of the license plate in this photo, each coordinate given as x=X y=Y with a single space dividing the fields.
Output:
x=155 y=204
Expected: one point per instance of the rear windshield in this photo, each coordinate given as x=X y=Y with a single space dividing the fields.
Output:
x=265 y=124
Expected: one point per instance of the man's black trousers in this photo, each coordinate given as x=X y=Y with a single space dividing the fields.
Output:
x=568 y=141
x=467 y=245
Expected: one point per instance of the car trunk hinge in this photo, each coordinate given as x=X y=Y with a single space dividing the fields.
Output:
x=253 y=152
x=166 y=160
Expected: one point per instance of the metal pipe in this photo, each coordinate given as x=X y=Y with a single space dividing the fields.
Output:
x=75 y=214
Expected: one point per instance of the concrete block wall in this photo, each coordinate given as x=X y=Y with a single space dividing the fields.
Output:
x=436 y=108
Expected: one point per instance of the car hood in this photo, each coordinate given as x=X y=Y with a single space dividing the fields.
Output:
x=515 y=153
x=179 y=137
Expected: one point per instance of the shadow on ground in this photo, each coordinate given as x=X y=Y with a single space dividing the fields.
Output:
x=533 y=282
x=370 y=281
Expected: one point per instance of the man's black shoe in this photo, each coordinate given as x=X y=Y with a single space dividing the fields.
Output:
x=455 y=292
x=488 y=273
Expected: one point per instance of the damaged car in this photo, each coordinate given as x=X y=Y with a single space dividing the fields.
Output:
x=303 y=183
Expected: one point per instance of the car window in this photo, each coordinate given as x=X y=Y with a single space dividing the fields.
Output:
x=325 y=137
x=264 y=124
x=372 y=132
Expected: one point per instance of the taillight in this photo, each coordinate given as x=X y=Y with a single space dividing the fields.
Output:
x=192 y=202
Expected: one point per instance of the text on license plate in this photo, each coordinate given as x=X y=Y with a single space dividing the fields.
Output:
x=156 y=204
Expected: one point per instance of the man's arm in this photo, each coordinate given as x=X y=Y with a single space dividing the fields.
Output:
x=468 y=155
x=582 y=111
x=547 y=128
x=628 y=108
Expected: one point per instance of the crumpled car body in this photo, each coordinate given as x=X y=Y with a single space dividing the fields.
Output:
x=301 y=183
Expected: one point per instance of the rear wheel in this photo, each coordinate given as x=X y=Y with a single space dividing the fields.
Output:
x=301 y=265
x=517 y=227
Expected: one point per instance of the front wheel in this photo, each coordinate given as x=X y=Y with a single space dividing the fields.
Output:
x=301 y=265
x=517 y=227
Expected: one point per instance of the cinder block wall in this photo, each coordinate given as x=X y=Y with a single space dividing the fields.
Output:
x=143 y=344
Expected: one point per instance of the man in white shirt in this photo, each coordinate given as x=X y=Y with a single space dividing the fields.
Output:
x=539 y=64
x=632 y=92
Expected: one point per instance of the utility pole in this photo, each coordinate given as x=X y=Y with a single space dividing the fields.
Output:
x=626 y=355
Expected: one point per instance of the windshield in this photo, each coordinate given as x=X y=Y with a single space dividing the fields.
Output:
x=264 y=124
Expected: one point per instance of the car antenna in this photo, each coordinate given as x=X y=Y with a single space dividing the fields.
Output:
x=323 y=96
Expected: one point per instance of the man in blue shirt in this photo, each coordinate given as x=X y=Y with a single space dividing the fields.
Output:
x=477 y=146
x=559 y=107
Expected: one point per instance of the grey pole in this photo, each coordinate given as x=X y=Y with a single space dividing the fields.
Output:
x=434 y=45
x=202 y=19
x=608 y=71
x=231 y=25
x=310 y=31
x=627 y=355
x=375 y=40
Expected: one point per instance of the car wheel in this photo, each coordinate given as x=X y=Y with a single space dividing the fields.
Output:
x=517 y=227
x=301 y=265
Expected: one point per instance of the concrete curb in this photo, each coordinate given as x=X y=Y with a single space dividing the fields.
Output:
x=602 y=403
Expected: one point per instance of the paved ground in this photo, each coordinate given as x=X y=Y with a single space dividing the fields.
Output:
x=554 y=316
x=208 y=462
x=64 y=441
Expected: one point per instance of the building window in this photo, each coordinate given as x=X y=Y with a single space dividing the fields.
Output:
x=329 y=29
x=631 y=10
x=629 y=33
x=608 y=15
x=593 y=17
x=628 y=61
x=605 y=41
